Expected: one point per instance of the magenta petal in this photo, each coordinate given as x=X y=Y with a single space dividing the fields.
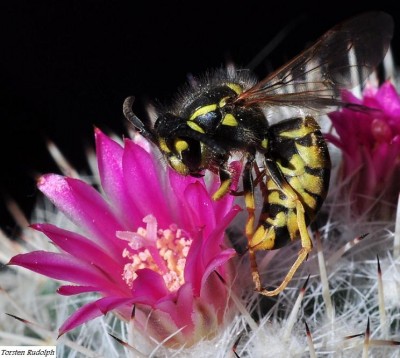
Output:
x=380 y=160
x=334 y=140
x=61 y=267
x=82 y=248
x=195 y=265
x=389 y=99
x=69 y=290
x=349 y=97
x=201 y=207
x=180 y=309
x=385 y=160
x=86 y=208
x=109 y=157
x=214 y=293
x=212 y=243
x=216 y=262
x=80 y=316
x=341 y=126
x=107 y=304
x=143 y=183
x=368 y=181
x=203 y=251
x=180 y=182
x=148 y=287
x=181 y=211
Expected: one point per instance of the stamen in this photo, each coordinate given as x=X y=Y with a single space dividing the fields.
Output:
x=163 y=251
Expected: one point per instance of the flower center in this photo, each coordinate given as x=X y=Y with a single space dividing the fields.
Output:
x=163 y=251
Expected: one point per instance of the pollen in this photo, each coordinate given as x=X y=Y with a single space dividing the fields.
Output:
x=161 y=250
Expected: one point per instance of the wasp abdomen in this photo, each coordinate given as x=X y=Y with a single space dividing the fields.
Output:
x=297 y=169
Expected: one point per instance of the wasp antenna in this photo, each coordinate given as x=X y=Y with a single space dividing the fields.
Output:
x=134 y=119
x=127 y=109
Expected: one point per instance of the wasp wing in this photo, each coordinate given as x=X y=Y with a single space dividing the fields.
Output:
x=340 y=59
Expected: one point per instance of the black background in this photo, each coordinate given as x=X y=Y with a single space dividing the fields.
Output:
x=67 y=66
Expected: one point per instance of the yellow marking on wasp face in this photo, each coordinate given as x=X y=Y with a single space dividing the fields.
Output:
x=312 y=156
x=229 y=120
x=195 y=126
x=180 y=145
x=222 y=102
x=235 y=87
x=222 y=190
x=264 y=143
x=203 y=110
x=163 y=145
x=263 y=239
x=177 y=165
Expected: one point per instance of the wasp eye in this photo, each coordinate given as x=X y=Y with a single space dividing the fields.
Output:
x=166 y=124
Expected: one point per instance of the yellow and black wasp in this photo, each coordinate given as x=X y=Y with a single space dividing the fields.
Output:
x=226 y=113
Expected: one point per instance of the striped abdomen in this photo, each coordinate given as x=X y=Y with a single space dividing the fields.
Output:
x=297 y=169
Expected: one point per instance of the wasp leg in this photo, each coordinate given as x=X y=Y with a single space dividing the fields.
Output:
x=293 y=201
x=248 y=190
x=306 y=247
x=236 y=193
x=250 y=182
x=226 y=180
x=260 y=175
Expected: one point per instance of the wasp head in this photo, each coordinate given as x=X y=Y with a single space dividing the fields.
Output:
x=183 y=153
x=187 y=150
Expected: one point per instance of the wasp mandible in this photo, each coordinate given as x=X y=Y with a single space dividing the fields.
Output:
x=225 y=113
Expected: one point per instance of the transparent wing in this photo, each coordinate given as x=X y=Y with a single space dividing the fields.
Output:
x=342 y=58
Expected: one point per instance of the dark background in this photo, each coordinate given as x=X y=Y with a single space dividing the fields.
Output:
x=67 y=66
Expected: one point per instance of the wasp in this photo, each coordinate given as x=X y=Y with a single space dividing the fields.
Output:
x=226 y=112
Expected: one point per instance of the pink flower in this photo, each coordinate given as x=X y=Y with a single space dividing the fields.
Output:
x=154 y=241
x=370 y=144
